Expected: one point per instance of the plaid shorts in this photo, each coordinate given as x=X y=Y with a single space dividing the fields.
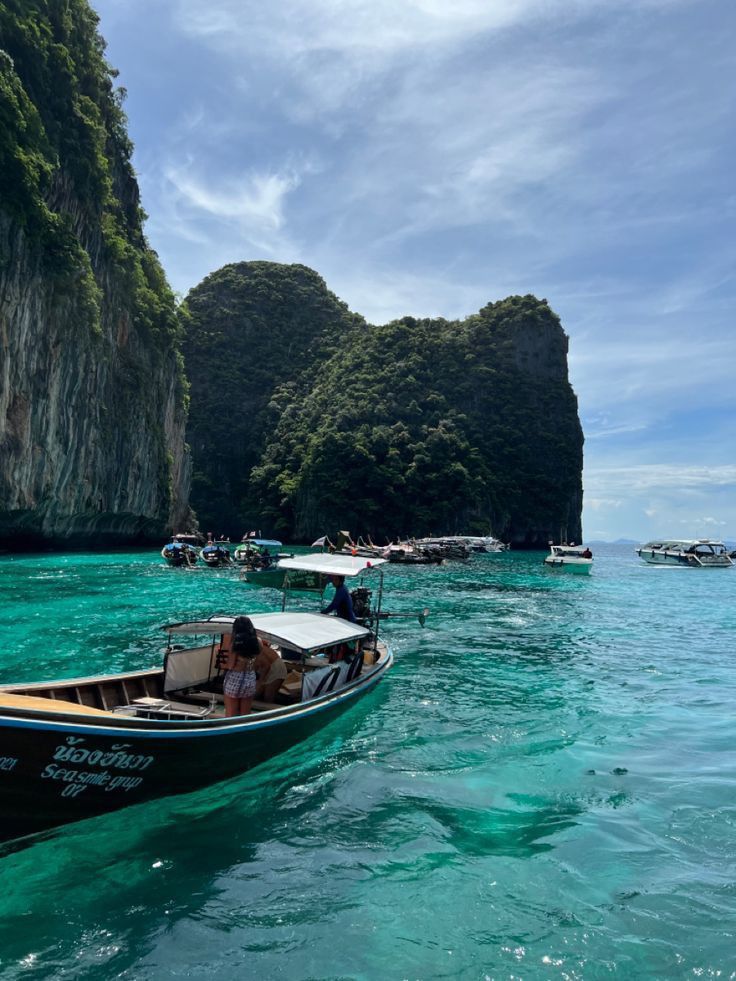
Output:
x=239 y=684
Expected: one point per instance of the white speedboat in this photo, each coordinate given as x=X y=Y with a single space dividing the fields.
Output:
x=570 y=558
x=695 y=553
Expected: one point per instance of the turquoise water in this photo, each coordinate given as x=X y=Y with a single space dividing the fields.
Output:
x=543 y=787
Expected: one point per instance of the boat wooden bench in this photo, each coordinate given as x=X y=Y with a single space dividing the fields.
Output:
x=165 y=707
x=46 y=704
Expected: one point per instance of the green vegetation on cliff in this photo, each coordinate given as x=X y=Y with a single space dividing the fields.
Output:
x=93 y=404
x=66 y=179
x=257 y=334
x=304 y=418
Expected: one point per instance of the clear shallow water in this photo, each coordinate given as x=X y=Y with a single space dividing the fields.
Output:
x=543 y=787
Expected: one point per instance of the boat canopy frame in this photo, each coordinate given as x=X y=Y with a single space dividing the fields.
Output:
x=302 y=632
x=327 y=564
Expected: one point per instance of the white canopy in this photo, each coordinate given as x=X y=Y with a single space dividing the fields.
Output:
x=675 y=543
x=300 y=631
x=332 y=565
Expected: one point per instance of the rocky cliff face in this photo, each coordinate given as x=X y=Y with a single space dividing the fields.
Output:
x=92 y=392
x=91 y=424
x=525 y=417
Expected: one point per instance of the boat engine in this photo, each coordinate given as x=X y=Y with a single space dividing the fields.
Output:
x=361 y=598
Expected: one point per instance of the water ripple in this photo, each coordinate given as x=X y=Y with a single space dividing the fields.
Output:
x=543 y=787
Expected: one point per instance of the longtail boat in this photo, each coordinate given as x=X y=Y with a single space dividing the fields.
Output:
x=76 y=748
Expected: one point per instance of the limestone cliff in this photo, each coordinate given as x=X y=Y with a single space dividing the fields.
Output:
x=306 y=419
x=92 y=391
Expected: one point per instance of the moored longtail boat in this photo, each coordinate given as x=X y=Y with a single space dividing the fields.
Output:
x=258 y=553
x=216 y=554
x=178 y=554
x=76 y=748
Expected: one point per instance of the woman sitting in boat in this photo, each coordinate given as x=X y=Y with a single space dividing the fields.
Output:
x=270 y=670
x=240 y=651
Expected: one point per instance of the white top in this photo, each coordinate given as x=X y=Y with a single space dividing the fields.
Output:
x=300 y=631
x=332 y=565
x=682 y=543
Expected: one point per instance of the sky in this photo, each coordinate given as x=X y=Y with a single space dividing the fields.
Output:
x=427 y=157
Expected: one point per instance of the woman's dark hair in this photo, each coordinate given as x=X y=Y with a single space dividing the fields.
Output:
x=245 y=640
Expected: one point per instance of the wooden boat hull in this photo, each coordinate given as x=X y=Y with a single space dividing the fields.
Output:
x=64 y=767
x=415 y=559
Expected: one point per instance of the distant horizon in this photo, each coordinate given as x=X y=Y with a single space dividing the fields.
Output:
x=653 y=538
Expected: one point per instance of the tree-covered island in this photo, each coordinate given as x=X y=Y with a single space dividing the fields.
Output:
x=305 y=418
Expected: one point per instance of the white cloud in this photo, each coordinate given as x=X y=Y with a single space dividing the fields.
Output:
x=228 y=218
x=346 y=26
x=386 y=294
x=603 y=503
x=255 y=198
x=614 y=430
x=652 y=363
x=661 y=476
x=383 y=27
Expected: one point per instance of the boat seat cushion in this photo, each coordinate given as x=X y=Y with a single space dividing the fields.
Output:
x=319 y=682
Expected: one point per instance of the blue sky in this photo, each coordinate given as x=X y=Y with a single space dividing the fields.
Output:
x=427 y=157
